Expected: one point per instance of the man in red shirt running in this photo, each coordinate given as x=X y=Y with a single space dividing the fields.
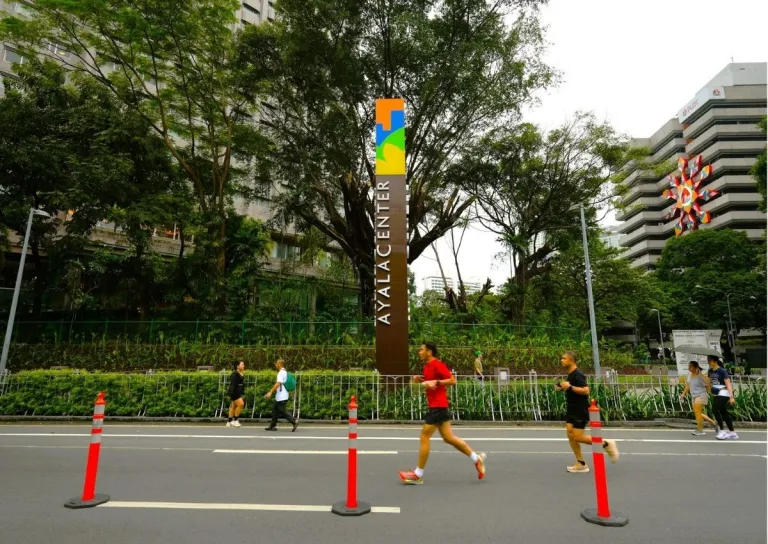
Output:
x=435 y=379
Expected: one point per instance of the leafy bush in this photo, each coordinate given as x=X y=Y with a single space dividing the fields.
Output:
x=324 y=395
x=133 y=357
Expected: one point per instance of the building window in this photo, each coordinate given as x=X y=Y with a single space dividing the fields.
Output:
x=285 y=251
x=250 y=8
x=12 y=57
x=58 y=50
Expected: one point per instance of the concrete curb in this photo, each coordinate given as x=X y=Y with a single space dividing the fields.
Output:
x=657 y=423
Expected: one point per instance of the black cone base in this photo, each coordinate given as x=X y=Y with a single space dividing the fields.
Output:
x=615 y=519
x=80 y=503
x=341 y=509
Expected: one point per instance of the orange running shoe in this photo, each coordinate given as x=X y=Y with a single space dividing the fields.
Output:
x=409 y=478
x=480 y=465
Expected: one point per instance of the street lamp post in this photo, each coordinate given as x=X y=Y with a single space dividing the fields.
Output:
x=12 y=314
x=731 y=329
x=590 y=299
x=661 y=335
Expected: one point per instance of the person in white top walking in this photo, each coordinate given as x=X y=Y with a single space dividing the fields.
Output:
x=281 y=398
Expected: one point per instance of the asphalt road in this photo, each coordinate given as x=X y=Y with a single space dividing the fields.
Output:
x=673 y=487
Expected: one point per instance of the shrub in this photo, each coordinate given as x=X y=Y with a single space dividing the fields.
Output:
x=324 y=395
x=134 y=357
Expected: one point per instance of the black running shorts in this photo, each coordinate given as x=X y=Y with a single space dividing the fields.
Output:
x=579 y=421
x=437 y=416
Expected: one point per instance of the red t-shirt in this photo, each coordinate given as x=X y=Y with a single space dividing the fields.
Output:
x=436 y=370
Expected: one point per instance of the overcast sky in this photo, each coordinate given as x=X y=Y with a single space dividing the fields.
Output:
x=635 y=64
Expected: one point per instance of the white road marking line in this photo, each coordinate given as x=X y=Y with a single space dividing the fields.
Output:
x=372 y=438
x=451 y=452
x=623 y=453
x=495 y=427
x=310 y=452
x=236 y=506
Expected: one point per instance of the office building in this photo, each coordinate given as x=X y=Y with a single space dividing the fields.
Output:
x=718 y=123
x=611 y=236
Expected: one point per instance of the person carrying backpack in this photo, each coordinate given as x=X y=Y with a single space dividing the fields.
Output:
x=283 y=386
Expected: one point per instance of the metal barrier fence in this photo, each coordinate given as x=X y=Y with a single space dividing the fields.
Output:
x=246 y=333
x=325 y=396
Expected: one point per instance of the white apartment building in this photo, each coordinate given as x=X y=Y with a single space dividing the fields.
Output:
x=718 y=123
x=610 y=237
x=436 y=283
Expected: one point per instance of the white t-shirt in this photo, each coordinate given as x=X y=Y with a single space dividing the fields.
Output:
x=282 y=392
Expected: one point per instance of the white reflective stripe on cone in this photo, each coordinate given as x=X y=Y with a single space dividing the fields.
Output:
x=353 y=414
x=353 y=444
x=98 y=409
x=96 y=438
x=98 y=423
x=353 y=428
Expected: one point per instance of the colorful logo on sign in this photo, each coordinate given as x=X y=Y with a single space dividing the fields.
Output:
x=688 y=195
x=390 y=137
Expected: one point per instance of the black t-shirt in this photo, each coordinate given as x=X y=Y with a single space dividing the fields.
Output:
x=577 y=405
x=236 y=386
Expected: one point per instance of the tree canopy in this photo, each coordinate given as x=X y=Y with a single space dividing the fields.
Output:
x=463 y=68
x=697 y=272
x=527 y=185
x=171 y=63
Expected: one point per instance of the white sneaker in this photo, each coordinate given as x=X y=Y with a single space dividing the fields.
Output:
x=722 y=435
x=698 y=433
x=229 y=423
x=236 y=424
x=732 y=436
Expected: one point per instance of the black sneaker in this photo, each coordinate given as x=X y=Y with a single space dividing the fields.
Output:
x=271 y=429
x=295 y=424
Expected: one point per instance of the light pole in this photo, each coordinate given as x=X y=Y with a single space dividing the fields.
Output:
x=731 y=328
x=12 y=314
x=661 y=335
x=590 y=299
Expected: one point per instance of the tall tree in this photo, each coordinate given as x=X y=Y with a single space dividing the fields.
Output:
x=170 y=61
x=621 y=293
x=77 y=153
x=698 y=270
x=462 y=66
x=526 y=184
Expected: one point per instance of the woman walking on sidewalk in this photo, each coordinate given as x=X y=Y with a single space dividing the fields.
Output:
x=236 y=392
x=722 y=388
x=699 y=386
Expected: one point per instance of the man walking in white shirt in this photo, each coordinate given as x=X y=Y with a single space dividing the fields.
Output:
x=281 y=398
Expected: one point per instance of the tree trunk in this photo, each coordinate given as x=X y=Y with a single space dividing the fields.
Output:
x=365 y=277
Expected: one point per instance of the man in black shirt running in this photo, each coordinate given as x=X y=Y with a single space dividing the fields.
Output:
x=577 y=412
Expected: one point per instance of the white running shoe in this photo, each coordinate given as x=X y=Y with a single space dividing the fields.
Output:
x=722 y=435
x=236 y=424
x=229 y=423
x=698 y=433
x=732 y=436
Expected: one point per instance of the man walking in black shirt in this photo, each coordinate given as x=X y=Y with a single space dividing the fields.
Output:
x=577 y=412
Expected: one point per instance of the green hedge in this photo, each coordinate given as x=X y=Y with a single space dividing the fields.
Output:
x=133 y=357
x=324 y=395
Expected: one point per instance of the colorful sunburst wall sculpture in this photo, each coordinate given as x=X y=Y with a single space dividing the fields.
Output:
x=688 y=196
